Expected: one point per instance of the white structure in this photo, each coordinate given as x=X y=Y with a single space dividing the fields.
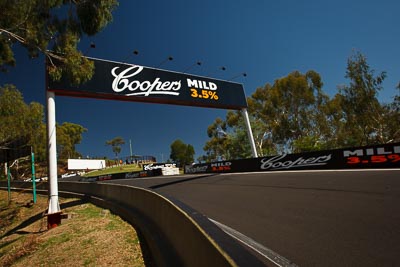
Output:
x=170 y=171
x=86 y=164
x=250 y=133
x=54 y=206
x=118 y=81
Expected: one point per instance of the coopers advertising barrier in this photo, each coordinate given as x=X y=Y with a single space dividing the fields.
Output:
x=123 y=175
x=380 y=156
x=119 y=81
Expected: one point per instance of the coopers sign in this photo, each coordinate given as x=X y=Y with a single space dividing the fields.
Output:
x=280 y=163
x=119 y=81
x=379 y=156
x=113 y=80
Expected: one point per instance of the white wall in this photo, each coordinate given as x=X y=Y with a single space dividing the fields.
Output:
x=84 y=164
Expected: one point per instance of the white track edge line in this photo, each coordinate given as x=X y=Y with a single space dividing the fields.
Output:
x=273 y=256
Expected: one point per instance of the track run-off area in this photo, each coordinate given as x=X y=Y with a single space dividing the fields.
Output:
x=298 y=218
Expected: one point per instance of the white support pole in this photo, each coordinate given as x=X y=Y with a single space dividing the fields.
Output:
x=250 y=133
x=130 y=146
x=54 y=206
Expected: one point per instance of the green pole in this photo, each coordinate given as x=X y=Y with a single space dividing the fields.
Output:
x=33 y=177
x=9 y=183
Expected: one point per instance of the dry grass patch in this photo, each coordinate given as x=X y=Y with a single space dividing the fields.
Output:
x=91 y=237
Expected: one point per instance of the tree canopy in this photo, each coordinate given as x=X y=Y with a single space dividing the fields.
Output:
x=362 y=111
x=68 y=135
x=181 y=153
x=295 y=115
x=19 y=119
x=53 y=28
x=115 y=144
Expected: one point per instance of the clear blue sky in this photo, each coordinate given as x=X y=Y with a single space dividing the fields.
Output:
x=266 y=39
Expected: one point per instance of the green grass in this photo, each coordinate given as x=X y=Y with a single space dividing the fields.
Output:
x=88 y=262
x=56 y=240
x=87 y=242
x=111 y=226
x=118 y=169
x=89 y=211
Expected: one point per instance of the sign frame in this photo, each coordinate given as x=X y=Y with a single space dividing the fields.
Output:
x=130 y=82
x=231 y=96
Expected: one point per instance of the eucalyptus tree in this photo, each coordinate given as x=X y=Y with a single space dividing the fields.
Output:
x=115 y=144
x=182 y=153
x=19 y=119
x=295 y=115
x=68 y=136
x=289 y=116
x=216 y=147
x=53 y=28
x=359 y=102
x=390 y=130
x=13 y=113
x=239 y=143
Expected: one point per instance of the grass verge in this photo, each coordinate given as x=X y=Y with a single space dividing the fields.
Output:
x=90 y=237
x=117 y=169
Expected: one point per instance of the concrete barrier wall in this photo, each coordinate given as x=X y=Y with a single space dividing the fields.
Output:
x=175 y=234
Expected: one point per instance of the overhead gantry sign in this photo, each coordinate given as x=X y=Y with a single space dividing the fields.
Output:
x=118 y=81
x=127 y=82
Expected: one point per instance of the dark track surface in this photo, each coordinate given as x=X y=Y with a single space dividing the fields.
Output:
x=330 y=218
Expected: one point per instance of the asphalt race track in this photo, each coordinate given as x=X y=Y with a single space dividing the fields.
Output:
x=311 y=218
